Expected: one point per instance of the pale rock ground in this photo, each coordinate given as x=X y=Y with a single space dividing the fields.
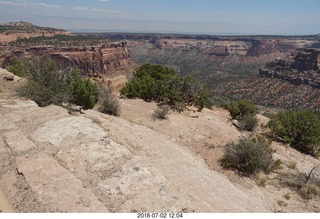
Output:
x=55 y=162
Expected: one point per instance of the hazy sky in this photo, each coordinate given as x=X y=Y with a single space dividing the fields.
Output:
x=198 y=16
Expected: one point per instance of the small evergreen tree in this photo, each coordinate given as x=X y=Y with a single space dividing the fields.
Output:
x=301 y=129
x=162 y=84
x=46 y=85
x=237 y=109
x=15 y=66
x=245 y=112
x=82 y=92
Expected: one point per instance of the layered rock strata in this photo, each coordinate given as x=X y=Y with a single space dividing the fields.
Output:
x=106 y=59
x=301 y=67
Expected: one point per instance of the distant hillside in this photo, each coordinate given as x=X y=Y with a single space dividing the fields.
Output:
x=96 y=57
x=213 y=59
x=25 y=27
x=291 y=82
x=10 y=32
x=230 y=64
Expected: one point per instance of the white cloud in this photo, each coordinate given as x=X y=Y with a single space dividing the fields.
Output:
x=11 y=3
x=29 y=3
x=96 y=9
x=103 y=0
x=80 y=8
x=47 y=5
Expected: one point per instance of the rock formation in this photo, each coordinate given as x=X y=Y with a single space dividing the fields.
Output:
x=54 y=162
x=291 y=82
x=301 y=67
x=215 y=46
x=51 y=161
x=106 y=59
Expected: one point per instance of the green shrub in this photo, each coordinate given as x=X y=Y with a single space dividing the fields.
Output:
x=248 y=156
x=82 y=92
x=244 y=111
x=109 y=104
x=161 y=84
x=301 y=129
x=237 y=109
x=15 y=66
x=248 y=122
x=46 y=85
x=161 y=112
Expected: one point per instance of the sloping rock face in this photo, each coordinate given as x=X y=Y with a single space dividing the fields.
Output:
x=301 y=67
x=105 y=60
x=54 y=162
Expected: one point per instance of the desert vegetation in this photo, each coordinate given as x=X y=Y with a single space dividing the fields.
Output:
x=61 y=40
x=109 y=104
x=25 y=27
x=161 y=112
x=301 y=129
x=16 y=66
x=162 y=84
x=307 y=185
x=249 y=156
x=245 y=112
x=46 y=85
x=81 y=92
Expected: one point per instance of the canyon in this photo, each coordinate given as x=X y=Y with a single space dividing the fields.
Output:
x=290 y=82
x=56 y=160
x=300 y=67
x=276 y=71
x=217 y=46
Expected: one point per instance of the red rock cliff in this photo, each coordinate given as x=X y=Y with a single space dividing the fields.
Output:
x=106 y=59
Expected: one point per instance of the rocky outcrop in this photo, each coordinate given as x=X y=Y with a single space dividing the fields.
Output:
x=106 y=59
x=301 y=67
x=54 y=162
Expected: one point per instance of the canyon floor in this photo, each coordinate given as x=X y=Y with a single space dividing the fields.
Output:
x=53 y=160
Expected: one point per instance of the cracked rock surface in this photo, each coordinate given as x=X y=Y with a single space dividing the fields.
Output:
x=54 y=162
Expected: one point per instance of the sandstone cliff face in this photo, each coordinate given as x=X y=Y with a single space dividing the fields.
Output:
x=106 y=59
x=216 y=46
x=301 y=67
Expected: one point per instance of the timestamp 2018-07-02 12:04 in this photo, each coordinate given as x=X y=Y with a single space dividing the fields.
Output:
x=160 y=215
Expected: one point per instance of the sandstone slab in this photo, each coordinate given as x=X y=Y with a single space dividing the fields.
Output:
x=55 y=131
x=55 y=186
x=18 y=142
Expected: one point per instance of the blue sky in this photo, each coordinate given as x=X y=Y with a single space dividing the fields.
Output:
x=285 y=17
